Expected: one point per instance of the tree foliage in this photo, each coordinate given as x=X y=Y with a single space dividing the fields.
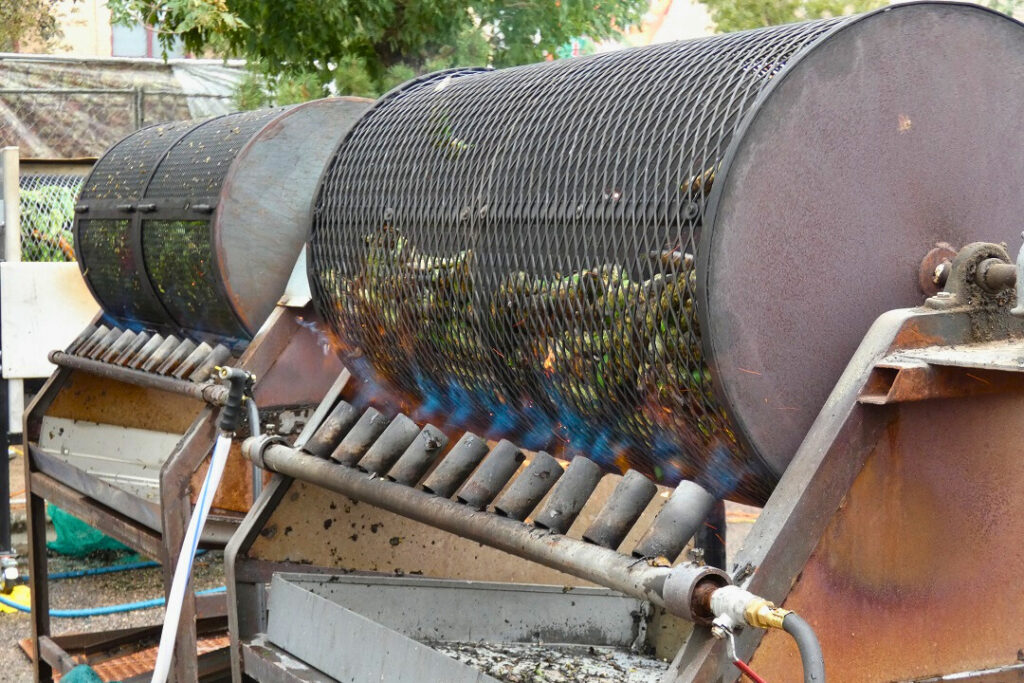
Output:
x=27 y=21
x=367 y=46
x=739 y=15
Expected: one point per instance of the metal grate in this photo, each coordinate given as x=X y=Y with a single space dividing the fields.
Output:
x=105 y=245
x=47 y=213
x=195 y=167
x=122 y=172
x=518 y=246
x=178 y=258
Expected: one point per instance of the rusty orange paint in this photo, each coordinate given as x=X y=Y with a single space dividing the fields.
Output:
x=919 y=572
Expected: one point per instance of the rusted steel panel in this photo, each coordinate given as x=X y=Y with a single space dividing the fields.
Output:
x=919 y=572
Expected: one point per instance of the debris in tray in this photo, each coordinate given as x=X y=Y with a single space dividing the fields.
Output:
x=533 y=663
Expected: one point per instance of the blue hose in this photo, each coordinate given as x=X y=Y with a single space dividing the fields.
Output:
x=108 y=609
x=95 y=571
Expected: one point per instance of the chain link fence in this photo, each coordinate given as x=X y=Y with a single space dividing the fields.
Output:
x=47 y=211
x=72 y=123
x=78 y=123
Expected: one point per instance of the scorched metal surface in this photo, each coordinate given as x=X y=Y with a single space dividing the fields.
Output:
x=662 y=258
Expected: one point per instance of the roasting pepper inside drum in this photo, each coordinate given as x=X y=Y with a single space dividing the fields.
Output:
x=607 y=355
x=603 y=360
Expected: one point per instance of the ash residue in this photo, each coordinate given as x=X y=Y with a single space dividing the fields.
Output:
x=533 y=663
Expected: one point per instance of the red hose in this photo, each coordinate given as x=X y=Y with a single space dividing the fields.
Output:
x=748 y=671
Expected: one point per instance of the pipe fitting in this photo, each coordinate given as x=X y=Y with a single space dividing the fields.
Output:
x=734 y=606
x=254 y=447
x=763 y=614
x=240 y=384
x=689 y=589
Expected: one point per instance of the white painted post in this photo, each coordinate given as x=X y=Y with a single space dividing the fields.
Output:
x=12 y=252
x=12 y=204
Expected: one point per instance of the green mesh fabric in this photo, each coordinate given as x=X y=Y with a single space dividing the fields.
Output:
x=81 y=674
x=76 y=538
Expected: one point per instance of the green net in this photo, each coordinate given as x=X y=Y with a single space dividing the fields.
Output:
x=81 y=674
x=75 y=537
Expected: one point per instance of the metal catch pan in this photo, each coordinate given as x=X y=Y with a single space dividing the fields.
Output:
x=416 y=629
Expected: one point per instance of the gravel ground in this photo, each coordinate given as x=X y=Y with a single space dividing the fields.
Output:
x=94 y=591
x=85 y=592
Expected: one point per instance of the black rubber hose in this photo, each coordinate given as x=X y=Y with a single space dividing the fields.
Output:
x=810 y=649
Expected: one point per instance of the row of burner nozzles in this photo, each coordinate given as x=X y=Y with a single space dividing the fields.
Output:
x=482 y=478
x=150 y=352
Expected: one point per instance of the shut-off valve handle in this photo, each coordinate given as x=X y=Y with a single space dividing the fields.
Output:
x=734 y=607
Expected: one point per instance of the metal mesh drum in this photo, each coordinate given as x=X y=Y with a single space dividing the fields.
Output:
x=196 y=226
x=663 y=257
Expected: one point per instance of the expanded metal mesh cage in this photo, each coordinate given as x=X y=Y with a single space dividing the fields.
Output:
x=147 y=224
x=194 y=228
x=196 y=166
x=519 y=246
x=47 y=214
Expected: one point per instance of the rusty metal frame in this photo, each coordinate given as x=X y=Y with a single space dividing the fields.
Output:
x=886 y=371
x=246 y=598
x=164 y=541
x=830 y=458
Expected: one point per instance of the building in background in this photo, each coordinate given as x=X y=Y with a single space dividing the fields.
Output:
x=88 y=32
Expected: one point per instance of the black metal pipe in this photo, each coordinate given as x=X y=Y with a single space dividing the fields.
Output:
x=530 y=487
x=419 y=456
x=143 y=354
x=6 y=548
x=570 y=495
x=390 y=445
x=711 y=536
x=359 y=439
x=331 y=431
x=491 y=476
x=589 y=562
x=627 y=502
x=460 y=462
x=214 y=394
x=679 y=519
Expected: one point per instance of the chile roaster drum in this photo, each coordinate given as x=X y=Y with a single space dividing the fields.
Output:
x=664 y=257
x=195 y=226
